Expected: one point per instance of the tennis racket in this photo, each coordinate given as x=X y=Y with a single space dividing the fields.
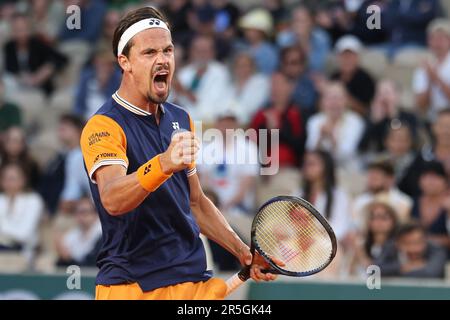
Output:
x=291 y=230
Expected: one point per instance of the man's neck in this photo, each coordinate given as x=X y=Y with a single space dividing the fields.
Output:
x=139 y=101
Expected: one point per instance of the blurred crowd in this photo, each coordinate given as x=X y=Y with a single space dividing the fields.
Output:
x=363 y=117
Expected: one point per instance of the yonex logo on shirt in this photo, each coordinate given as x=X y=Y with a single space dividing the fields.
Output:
x=175 y=125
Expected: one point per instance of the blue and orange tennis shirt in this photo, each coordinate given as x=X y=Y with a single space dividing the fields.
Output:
x=157 y=244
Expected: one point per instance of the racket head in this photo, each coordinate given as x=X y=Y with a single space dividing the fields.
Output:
x=307 y=211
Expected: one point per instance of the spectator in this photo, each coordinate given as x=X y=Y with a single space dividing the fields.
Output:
x=314 y=41
x=32 y=62
x=230 y=166
x=278 y=11
x=249 y=89
x=225 y=26
x=177 y=12
x=359 y=84
x=379 y=234
x=381 y=184
x=10 y=114
x=20 y=211
x=407 y=22
x=257 y=26
x=98 y=81
x=81 y=244
x=400 y=150
x=431 y=81
x=413 y=256
x=283 y=115
x=204 y=81
x=438 y=150
x=92 y=16
x=430 y=207
x=320 y=188
x=64 y=181
x=386 y=114
x=112 y=18
x=294 y=66
x=15 y=150
x=335 y=129
x=46 y=18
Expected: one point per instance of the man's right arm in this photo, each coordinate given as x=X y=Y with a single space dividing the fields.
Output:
x=103 y=144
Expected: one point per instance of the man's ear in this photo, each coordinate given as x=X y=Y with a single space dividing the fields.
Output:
x=124 y=63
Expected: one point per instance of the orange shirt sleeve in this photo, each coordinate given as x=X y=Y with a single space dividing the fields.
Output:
x=191 y=170
x=103 y=142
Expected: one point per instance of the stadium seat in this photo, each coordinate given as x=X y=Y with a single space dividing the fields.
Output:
x=411 y=57
x=375 y=62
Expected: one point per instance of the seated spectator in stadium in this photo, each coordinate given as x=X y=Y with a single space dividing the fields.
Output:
x=431 y=81
x=31 y=61
x=46 y=18
x=278 y=10
x=293 y=65
x=407 y=22
x=359 y=84
x=381 y=224
x=64 y=181
x=178 y=13
x=203 y=82
x=226 y=18
x=400 y=150
x=15 y=150
x=92 y=16
x=20 y=211
x=438 y=149
x=429 y=208
x=98 y=81
x=10 y=114
x=412 y=256
x=314 y=41
x=320 y=188
x=8 y=8
x=229 y=167
x=335 y=129
x=385 y=114
x=80 y=244
x=112 y=18
x=257 y=26
x=249 y=90
x=381 y=185
x=283 y=115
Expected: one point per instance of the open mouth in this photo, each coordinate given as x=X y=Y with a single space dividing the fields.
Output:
x=160 y=81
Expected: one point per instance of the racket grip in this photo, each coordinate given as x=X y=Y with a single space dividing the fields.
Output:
x=238 y=279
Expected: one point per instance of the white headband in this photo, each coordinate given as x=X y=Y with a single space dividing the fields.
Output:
x=138 y=27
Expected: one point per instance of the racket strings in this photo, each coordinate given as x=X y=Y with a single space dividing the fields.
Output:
x=289 y=232
x=291 y=249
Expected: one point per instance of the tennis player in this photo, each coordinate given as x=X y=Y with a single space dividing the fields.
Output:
x=144 y=183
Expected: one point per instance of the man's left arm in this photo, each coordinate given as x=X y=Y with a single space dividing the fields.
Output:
x=214 y=226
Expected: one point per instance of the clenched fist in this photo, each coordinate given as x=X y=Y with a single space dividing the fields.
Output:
x=181 y=153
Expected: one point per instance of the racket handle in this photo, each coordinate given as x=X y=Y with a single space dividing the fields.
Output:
x=237 y=280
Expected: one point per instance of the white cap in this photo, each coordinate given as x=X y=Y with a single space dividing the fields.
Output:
x=259 y=19
x=350 y=43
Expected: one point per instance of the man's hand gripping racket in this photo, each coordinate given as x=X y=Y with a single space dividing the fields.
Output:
x=291 y=238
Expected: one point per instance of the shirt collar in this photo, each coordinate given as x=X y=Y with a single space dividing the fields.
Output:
x=131 y=107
